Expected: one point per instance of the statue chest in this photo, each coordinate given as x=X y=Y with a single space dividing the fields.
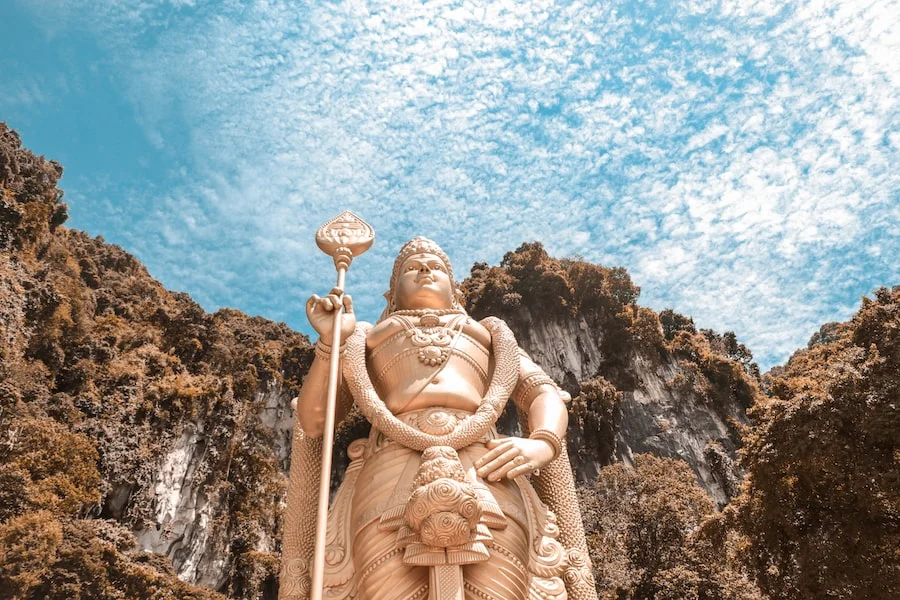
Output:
x=430 y=360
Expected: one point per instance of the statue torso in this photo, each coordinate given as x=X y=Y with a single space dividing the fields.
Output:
x=418 y=362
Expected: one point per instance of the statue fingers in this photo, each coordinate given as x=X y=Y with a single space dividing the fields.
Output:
x=311 y=305
x=497 y=447
x=520 y=470
x=493 y=443
x=490 y=468
x=335 y=301
x=515 y=463
x=348 y=303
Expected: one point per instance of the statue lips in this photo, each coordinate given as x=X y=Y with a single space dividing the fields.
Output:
x=427 y=280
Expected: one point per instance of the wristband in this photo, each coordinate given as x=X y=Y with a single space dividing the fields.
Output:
x=323 y=350
x=550 y=437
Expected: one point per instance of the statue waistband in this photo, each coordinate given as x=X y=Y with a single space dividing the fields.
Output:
x=433 y=421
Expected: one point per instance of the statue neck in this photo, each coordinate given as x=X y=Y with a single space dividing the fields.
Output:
x=421 y=312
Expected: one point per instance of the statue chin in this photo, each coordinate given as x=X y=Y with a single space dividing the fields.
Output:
x=429 y=296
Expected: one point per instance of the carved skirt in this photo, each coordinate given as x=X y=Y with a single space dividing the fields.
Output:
x=400 y=512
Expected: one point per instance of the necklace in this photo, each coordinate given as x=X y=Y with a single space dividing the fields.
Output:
x=431 y=338
x=421 y=312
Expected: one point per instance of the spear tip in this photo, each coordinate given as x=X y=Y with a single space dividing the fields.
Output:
x=345 y=231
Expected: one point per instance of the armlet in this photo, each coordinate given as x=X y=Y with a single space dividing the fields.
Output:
x=523 y=392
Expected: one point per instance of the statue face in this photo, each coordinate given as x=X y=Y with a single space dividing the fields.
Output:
x=423 y=283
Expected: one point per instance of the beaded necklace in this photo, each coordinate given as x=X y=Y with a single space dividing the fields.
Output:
x=421 y=312
x=434 y=341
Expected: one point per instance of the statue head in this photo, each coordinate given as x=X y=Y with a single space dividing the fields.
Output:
x=422 y=278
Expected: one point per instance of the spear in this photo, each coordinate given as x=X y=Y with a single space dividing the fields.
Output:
x=344 y=237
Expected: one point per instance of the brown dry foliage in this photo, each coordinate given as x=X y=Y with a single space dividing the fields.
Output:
x=821 y=506
x=42 y=556
x=592 y=414
x=654 y=533
x=101 y=368
x=556 y=289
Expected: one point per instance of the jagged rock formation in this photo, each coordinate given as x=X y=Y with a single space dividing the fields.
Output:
x=151 y=414
x=635 y=390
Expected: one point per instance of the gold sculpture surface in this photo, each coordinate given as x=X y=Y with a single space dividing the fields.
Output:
x=435 y=503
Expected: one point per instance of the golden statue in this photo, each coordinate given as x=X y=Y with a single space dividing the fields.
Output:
x=435 y=504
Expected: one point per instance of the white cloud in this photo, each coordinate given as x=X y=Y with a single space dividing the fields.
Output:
x=740 y=162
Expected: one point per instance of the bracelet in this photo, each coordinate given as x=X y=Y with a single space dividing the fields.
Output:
x=525 y=386
x=323 y=350
x=550 y=437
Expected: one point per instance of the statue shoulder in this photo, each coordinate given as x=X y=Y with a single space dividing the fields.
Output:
x=375 y=334
x=493 y=325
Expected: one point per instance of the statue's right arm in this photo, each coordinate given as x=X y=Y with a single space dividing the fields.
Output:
x=313 y=395
x=312 y=399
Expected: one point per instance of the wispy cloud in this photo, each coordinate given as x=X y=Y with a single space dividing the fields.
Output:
x=739 y=159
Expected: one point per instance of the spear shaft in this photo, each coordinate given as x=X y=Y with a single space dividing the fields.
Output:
x=343 y=238
x=334 y=363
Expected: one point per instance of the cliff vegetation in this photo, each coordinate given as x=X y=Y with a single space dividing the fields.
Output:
x=102 y=371
x=820 y=507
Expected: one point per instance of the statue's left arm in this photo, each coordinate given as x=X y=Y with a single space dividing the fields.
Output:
x=541 y=405
x=539 y=399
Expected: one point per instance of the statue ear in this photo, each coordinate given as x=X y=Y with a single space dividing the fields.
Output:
x=459 y=299
x=389 y=296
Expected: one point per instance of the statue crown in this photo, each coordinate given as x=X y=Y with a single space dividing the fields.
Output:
x=419 y=245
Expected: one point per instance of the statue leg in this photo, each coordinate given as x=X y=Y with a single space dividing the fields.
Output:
x=505 y=576
x=383 y=576
x=384 y=482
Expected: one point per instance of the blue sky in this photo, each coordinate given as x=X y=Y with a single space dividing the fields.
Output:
x=739 y=159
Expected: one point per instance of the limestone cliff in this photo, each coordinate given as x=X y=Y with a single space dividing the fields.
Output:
x=638 y=388
x=140 y=437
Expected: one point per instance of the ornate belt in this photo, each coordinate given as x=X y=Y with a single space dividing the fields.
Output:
x=432 y=421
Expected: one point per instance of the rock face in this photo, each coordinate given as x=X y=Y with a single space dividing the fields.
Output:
x=669 y=394
x=656 y=420
x=182 y=510
x=653 y=416
x=567 y=349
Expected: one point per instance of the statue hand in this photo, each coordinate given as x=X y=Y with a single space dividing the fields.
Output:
x=513 y=456
x=320 y=312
